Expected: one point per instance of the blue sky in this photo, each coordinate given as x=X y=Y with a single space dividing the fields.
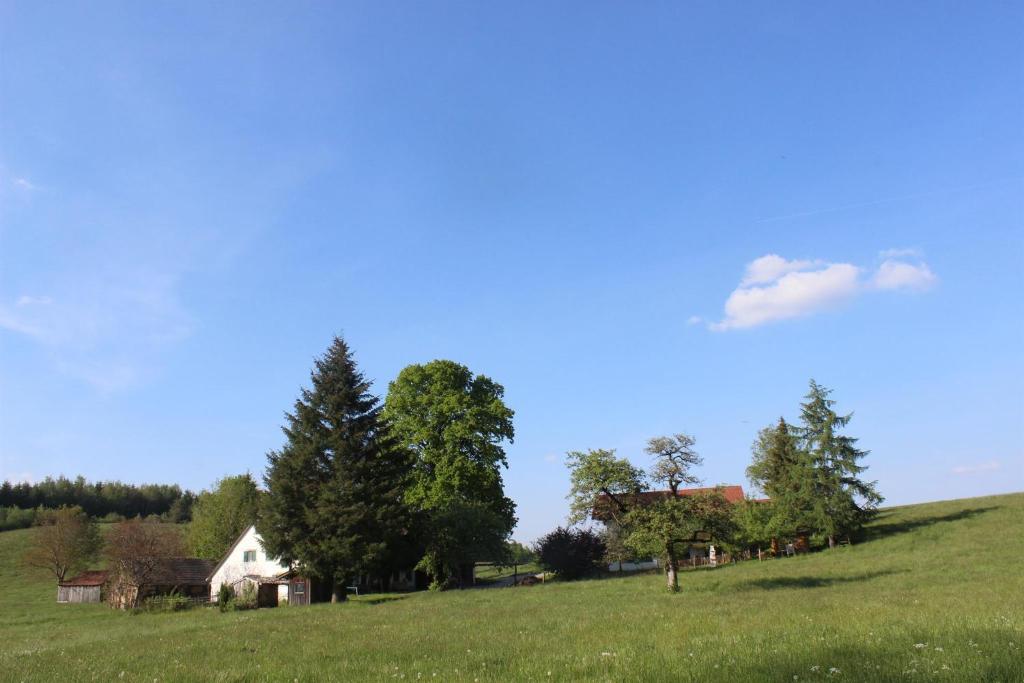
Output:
x=639 y=220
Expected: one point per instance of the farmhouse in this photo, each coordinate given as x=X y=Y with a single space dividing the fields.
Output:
x=86 y=587
x=247 y=563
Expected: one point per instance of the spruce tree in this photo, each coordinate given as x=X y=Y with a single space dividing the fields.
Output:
x=838 y=501
x=335 y=491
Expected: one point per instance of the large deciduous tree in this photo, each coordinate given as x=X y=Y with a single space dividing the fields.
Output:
x=220 y=515
x=65 y=542
x=335 y=491
x=455 y=423
x=839 y=501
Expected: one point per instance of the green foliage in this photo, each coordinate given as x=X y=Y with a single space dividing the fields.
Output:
x=335 y=491
x=16 y=518
x=665 y=527
x=220 y=515
x=517 y=553
x=775 y=454
x=248 y=598
x=225 y=597
x=173 y=602
x=571 y=553
x=454 y=424
x=598 y=472
x=754 y=523
x=99 y=498
x=812 y=474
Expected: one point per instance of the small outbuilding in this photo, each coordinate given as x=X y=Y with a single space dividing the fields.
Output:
x=86 y=587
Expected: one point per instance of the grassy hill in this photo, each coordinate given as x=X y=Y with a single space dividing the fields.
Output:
x=936 y=593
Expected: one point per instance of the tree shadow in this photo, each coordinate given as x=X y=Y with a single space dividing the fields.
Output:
x=815 y=581
x=878 y=530
x=377 y=599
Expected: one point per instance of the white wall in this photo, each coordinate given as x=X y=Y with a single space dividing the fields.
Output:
x=234 y=568
x=633 y=566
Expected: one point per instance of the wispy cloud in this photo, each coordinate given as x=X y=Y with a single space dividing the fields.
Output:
x=893 y=274
x=989 y=466
x=905 y=252
x=774 y=288
x=694 y=320
x=23 y=184
x=103 y=332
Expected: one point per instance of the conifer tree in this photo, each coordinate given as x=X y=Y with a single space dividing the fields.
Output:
x=335 y=491
x=828 y=483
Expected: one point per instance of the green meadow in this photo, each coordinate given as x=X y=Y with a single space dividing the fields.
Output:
x=936 y=592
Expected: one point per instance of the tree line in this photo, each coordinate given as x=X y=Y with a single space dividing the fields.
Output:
x=19 y=501
x=810 y=471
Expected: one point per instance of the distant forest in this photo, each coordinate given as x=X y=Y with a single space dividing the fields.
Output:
x=102 y=500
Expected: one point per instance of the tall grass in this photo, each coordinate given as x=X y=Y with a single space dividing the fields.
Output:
x=936 y=593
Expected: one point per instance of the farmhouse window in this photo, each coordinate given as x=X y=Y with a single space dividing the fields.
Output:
x=249 y=556
x=300 y=588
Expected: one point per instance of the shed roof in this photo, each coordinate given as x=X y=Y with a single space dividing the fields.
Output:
x=181 y=571
x=90 y=578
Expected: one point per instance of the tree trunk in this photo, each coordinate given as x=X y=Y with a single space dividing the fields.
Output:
x=670 y=567
x=339 y=593
x=831 y=541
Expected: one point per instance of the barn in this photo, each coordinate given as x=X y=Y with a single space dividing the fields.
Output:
x=185 y=576
x=86 y=587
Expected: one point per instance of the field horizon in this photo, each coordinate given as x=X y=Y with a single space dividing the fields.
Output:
x=935 y=592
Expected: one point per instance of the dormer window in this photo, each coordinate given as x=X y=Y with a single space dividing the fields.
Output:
x=249 y=556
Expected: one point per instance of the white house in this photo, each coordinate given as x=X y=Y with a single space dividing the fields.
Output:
x=247 y=562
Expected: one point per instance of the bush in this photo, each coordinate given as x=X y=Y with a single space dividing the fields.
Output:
x=16 y=518
x=230 y=601
x=225 y=596
x=571 y=553
x=247 y=599
x=174 y=602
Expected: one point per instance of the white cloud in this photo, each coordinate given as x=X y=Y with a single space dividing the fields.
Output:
x=23 y=184
x=886 y=254
x=793 y=295
x=774 y=288
x=18 y=477
x=694 y=320
x=989 y=466
x=770 y=268
x=33 y=301
x=893 y=274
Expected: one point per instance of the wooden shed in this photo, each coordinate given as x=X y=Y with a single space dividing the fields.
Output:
x=86 y=587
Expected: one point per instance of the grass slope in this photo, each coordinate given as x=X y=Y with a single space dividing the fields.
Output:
x=937 y=593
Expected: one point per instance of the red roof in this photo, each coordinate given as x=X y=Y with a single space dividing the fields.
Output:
x=92 y=578
x=732 y=493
